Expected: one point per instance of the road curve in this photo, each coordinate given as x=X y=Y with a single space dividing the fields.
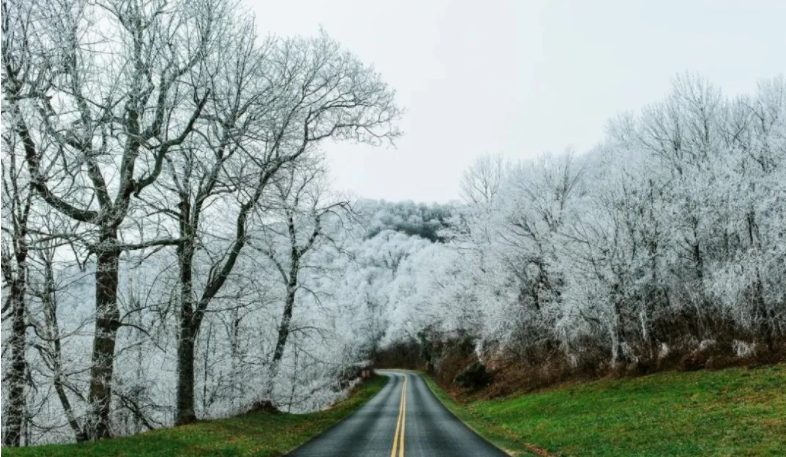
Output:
x=403 y=420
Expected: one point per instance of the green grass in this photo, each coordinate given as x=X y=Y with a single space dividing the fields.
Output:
x=733 y=412
x=489 y=429
x=254 y=434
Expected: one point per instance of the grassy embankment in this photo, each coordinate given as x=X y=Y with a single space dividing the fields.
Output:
x=255 y=434
x=732 y=412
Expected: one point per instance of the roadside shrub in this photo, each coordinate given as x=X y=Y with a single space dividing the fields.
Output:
x=474 y=376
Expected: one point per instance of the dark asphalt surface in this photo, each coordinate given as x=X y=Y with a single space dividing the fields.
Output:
x=426 y=428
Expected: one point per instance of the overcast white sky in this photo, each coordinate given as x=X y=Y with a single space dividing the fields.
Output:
x=523 y=77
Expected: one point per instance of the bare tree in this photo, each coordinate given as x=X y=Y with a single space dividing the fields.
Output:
x=306 y=91
x=97 y=110
x=481 y=182
x=18 y=200
x=200 y=172
x=47 y=327
x=294 y=230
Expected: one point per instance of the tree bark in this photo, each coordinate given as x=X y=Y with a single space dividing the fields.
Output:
x=16 y=376
x=107 y=324
x=185 y=376
x=186 y=344
x=286 y=319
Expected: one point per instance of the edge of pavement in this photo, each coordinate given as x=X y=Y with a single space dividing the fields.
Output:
x=496 y=435
x=335 y=424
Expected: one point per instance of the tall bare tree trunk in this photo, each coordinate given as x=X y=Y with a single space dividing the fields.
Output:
x=185 y=413
x=16 y=376
x=286 y=318
x=284 y=325
x=186 y=344
x=107 y=324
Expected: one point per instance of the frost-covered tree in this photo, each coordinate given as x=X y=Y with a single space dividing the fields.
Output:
x=97 y=109
x=292 y=232
x=155 y=126
x=660 y=240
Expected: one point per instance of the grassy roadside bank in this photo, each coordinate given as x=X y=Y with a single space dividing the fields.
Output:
x=255 y=434
x=488 y=429
x=732 y=412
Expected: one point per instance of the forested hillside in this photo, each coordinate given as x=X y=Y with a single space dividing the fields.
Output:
x=173 y=250
x=662 y=247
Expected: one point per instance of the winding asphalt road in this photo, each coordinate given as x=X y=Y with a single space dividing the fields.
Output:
x=403 y=420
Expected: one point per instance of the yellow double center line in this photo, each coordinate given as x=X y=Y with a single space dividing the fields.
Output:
x=401 y=424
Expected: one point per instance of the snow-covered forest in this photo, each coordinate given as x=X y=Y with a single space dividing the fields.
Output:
x=665 y=243
x=174 y=248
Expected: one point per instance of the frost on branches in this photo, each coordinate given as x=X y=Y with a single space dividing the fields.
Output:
x=172 y=250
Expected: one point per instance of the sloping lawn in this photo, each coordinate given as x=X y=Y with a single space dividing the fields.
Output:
x=733 y=412
x=255 y=434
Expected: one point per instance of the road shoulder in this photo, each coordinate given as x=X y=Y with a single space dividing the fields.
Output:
x=494 y=433
x=256 y=434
